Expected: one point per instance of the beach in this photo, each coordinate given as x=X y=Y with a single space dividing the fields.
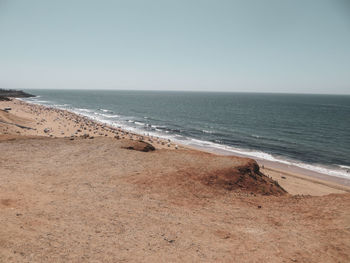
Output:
x=81 y=191
x=53 y=122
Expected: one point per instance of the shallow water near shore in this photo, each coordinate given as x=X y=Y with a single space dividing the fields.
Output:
x=308 y=131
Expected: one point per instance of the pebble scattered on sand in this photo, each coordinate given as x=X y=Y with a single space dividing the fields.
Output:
x=55 y=122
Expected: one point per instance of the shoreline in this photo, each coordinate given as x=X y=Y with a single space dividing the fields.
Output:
x=320 y=171
x=275 y=170
x=298 y=166
x=69 y=196
x=288 y=169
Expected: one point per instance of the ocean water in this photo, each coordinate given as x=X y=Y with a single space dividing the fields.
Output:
x=309 y=131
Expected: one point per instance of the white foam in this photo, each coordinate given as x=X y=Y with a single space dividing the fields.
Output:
x=107 y=115
x=104 y=110
x=60 y=105
x=84 y=110
x=42 y=101
x=324 y=170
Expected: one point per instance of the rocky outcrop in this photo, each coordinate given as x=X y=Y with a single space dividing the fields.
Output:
x=246 y=177
x=138 y=146
x=4 y=94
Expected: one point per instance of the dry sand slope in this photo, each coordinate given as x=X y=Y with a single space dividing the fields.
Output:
x=94 y=200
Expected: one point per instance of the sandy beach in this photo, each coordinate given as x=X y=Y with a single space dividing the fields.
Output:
x=74 y=190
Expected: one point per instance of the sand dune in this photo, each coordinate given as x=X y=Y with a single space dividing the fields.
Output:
x=76 y=199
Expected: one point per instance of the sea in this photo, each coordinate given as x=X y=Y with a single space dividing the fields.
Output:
x=307 y=131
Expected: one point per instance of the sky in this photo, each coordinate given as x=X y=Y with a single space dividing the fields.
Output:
x=290 y=46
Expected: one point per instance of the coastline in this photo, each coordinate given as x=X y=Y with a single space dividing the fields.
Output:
x=140 y=126
x=301 y=148
x=70 y=196
x=290 y=177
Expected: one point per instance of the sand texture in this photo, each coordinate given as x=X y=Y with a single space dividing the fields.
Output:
x=70 y=198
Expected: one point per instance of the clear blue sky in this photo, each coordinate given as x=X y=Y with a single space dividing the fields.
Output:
x=298 y=46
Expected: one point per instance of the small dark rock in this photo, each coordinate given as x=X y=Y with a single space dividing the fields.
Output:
x=2 y=98
x=139 y=146
x=169 y=240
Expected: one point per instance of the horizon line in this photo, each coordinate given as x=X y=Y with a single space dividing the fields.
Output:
x=203 y=91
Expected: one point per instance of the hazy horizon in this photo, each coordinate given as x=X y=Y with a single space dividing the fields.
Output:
x=188 y=90
x=223 y=46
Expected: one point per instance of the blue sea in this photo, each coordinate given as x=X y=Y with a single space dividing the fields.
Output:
x=308 y=131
